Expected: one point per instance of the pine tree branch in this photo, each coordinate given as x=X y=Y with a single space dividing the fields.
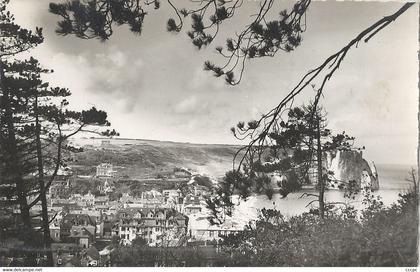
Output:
x=258 y=135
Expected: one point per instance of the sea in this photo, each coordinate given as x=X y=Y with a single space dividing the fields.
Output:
x=392 y=182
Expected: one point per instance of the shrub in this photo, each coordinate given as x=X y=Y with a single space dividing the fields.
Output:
x=381 y=237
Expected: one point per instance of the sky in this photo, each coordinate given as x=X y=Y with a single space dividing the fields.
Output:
x=153 y=85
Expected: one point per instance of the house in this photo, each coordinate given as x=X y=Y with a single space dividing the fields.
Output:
x=87 y=200
x=200 y=229
x=145 y=203
x=192 y=205
x=84 y=236
x=58 y=202
x=55 y=232
x=192 y=209
x=105 y=170
x=102 y=207
x=171 y=193
x=108 y=215
x=101 y=200
x=152 y=194
x=149 y=199
x=150 y=224
x=126 y=197
x=192 y=199
x=71 y=220
x=59 y=189
x=64 y=205
x=171 y=196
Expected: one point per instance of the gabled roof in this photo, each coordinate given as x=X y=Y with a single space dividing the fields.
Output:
x=102 y=198
x=82 y=231
x=190 y=199
x=70 y=218
x=168 y=212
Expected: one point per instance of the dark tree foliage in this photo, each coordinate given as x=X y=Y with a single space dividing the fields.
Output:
x=189 y=256
x=203 y=181
x=139 y=242
x=95 y=19
x=378 y=236
x=41 y=127
x=294 y=153
x=262 y=37
x=14 y=40
x=41 y=110
x=35 y=124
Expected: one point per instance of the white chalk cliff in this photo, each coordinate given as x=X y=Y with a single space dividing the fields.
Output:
x=350 y=165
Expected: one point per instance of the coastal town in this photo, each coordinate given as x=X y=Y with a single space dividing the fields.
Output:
x=93 y=209
x=211 y=133
x=84 y=226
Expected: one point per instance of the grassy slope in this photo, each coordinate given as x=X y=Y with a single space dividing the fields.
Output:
x=143 y=159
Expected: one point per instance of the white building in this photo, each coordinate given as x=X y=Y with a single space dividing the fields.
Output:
x=154 y=225
x=192 y=209
x=105 y=170
x=200 y=229
x=171 y=193
x=152 y=194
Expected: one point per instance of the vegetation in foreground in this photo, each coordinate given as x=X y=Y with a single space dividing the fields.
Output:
x=380 y=236
x=377 y=236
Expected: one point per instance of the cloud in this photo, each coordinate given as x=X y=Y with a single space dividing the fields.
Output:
x=154 y=85
x=96 y=78
x=204 y=81
x=110 y=75
x=192 y=106
x=118 y=58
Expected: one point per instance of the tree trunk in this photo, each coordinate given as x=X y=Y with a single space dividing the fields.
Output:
x=42 y=189
x=320 y=176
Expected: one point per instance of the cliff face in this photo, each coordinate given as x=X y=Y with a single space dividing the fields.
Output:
x=350 y=165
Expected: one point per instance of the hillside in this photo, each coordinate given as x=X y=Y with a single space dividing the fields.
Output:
x=137 y=159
